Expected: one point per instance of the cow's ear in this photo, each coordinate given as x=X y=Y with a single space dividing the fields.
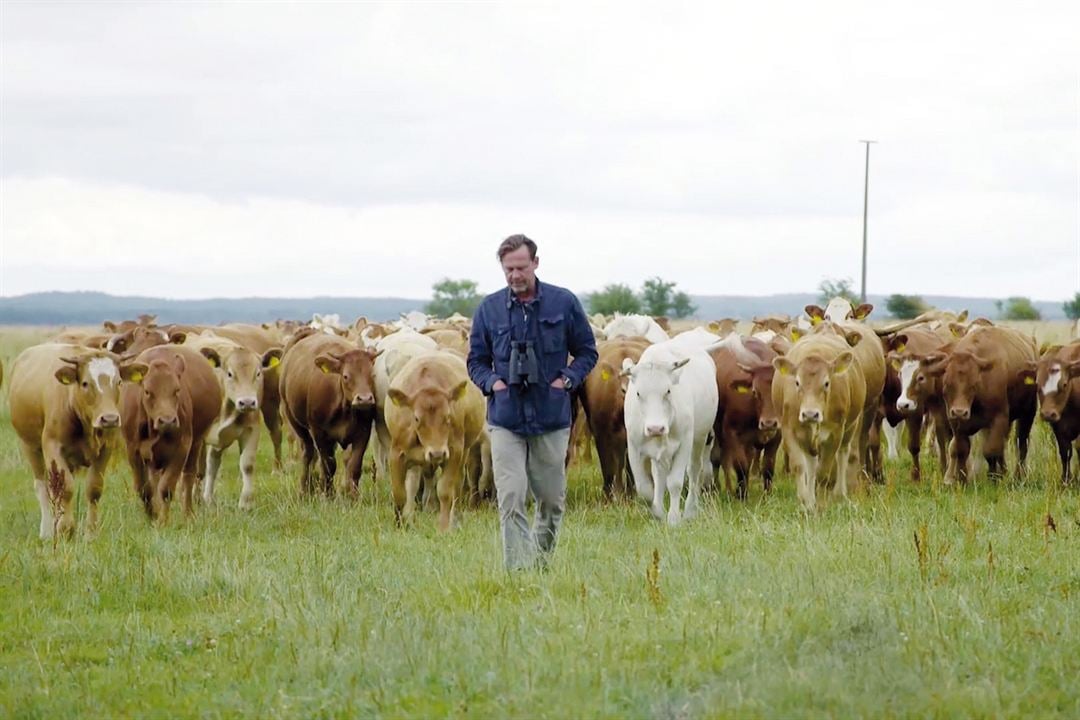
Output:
x=713 y=326
x=898 y=342
x=133 y=372
x=328 y=364
x=815 y=313
x=783 y=365
x=271 y=358
x=894 y=359
x=679 y=363
x=211 y=356
x=962 y=316
x=958 y=329
x=1071 y=371
x=853 y=338
x=842 y=362
x=863 y=311
x=627 y=368
x=934 y=363
x=397 y=397
x=741 y=386
x=1027 y=375
x=459 y=390
x=177 y=337
x=178 y=364
x=68 y=375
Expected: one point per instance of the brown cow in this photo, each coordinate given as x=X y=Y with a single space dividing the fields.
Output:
x=435 y=417
x=914 y=395
x=240 y=377
x=65 y=407
x=329 y=400
x=602 y=397
x=984 y=392
x=747 y=425
x=1056 y=377
x=820 y=392
x=166 y=417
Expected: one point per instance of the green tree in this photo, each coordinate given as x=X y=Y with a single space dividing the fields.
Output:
x=905 y=306
x=681 y=306
x=1019 y=308
x=453 y=296
x=836 y=287
x=1072 y=307
x=656 y=296
x=614 y=298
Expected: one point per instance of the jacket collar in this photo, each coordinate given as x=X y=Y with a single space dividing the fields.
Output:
x=510 y=297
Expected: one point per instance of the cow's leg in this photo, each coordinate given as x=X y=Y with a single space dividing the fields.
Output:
x=892 y=439
x=355 y=466
x=1065 y=451
x=606 y=454
x=95 y=485
x=53 y=456
x=271 y=413
x=808 y=472
x=41 y=488
x=327 y=461
x=413 y=476
x=642 y=472
x=736 y=458
x=487 y=470
x=914 y=443
x=768 y=462
x=249 y=449
x=699 y=463
x=873 y=447
x=397 y=483
x=382 y=445
x=846 y=465
x=429 y=493
x=1023 y=434
x=681 y=464
x=993 y=449
x=448 y=488
x=189 y=476
x=213 y=465
x=959 y=452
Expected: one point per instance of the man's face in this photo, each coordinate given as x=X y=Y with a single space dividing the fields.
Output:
x=520 y=270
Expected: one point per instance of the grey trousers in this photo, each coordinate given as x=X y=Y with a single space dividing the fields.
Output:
x=522 y=464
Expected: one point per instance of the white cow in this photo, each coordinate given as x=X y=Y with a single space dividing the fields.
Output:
x=635 y=326
x=414 y=319
x=394 y=352
x=669 y=408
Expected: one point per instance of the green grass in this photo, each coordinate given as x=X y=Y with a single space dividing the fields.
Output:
x=317 y=608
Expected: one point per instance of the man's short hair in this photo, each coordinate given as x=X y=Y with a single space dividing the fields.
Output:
x=513 y=242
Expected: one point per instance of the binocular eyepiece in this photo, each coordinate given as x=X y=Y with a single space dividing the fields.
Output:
x=524 y=368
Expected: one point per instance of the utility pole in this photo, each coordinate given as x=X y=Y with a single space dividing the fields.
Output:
x=865 y=201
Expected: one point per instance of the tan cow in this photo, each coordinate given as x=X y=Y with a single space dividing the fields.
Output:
x=240 y=377
x=602 y=397
x=166 y=417
x=916 y=396
x=985 y=390
x=329 y=400
x=820 y=392
x=260 y=340
x=870 y=356
x=64 y=403
x=435 y=417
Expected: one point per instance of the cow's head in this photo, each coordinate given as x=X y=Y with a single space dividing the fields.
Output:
x=1052 y=378
x=961 y=378
x=94 y=380
x=651 y=383
x=813 y=378
x=355 y=371
x=756 y=381
x=242 y=372
x=161 y=394
x=917 y=385
x=433 y=416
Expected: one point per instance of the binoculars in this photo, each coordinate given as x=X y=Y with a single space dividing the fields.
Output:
x=524 y=369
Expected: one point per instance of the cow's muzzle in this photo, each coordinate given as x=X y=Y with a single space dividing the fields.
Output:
x=107 y=420
x=656 y=430
x=959 y=413
x=810 y=416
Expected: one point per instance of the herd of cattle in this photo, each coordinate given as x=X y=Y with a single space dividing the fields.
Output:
x=663 y=409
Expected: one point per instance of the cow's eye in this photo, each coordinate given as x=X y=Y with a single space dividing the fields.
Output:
x=85 y=385
x=345 y=377
x=825 y=385
x=230 y=375
x=668 y=393
x=797 y=383
x=920 y=379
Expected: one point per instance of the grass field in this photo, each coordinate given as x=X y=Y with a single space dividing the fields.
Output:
x=907 y=601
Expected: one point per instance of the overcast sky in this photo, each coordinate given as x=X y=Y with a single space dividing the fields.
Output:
x=194 y=150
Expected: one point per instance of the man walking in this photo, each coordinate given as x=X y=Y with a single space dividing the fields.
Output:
x=521 y=341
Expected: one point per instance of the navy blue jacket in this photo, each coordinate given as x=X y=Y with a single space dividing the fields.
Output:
x=556 y=323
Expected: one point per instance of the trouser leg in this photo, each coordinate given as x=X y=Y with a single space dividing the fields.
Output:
x=547 y=478
x=509 y=453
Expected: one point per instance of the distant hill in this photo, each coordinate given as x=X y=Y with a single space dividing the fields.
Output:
x=90 y=308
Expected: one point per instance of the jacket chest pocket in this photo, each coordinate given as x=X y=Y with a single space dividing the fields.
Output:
x=553 y=334
x=500 y=343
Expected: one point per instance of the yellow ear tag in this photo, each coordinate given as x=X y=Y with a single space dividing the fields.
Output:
x=901 y=347
x=325 y=371
x=605 y=375
x=274 y=362
x=783 y=370
x=136 y=377
x=1029 y=381
x=795 y=334
x=742 y=389
x=815 y=320
x=66 y=381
